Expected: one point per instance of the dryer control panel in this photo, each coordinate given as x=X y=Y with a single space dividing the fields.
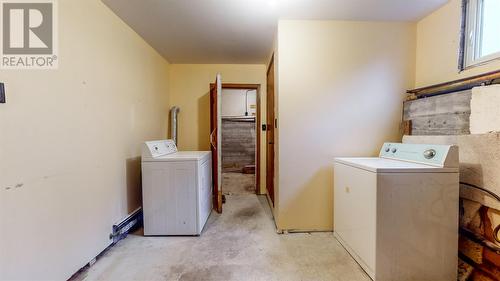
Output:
x=161 y=148
x=430 y=154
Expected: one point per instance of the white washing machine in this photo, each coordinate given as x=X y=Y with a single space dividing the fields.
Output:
x=397 y=214
x=176 y=189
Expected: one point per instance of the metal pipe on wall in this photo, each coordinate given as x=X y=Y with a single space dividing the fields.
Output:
x=174 y=112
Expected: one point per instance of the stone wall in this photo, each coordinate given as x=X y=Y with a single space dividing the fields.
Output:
x=238 y=143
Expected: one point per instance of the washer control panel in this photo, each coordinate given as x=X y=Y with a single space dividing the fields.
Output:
x=161 y=148
x=431 y=154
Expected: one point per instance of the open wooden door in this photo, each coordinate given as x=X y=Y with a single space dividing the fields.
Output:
x=271 y=126
x=215 y=144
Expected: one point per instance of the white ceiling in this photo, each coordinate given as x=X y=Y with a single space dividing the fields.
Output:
x=242 y=31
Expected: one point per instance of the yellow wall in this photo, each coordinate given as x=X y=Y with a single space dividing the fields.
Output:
x=71 y=138
x=189 y=90
x=438 y=38
x=340 y=93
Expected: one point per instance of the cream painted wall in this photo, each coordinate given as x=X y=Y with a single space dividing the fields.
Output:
x=189 y=89
x=438 y=38
x=70 y=140
x=236 y=102
x=340 y=93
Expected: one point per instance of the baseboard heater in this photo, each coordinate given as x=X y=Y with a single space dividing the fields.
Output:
x=120 y=230
x=129 y=224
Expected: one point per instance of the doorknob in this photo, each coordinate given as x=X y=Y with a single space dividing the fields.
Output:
x=271 y=142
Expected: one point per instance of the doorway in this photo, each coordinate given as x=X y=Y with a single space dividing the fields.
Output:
x=235 y=139
x=240 y=138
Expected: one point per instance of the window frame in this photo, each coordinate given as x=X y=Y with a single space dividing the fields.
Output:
x=472 y=35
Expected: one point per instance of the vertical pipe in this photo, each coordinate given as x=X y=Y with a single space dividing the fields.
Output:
x=246 y=102
x=174 y=111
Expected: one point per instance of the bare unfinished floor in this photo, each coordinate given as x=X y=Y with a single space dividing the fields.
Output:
x=238 y=183
x=239 y=244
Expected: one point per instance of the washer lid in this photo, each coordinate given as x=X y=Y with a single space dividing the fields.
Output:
x=384 y=165
x=179 y=156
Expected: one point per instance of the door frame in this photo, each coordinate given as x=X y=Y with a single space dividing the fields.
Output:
x=258 y=129
x=271 y=125
x=215 y=132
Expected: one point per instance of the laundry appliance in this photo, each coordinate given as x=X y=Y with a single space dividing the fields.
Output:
x=176 y=189
x=397 y=214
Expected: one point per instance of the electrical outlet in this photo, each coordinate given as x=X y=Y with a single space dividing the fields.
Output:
x=2 y=93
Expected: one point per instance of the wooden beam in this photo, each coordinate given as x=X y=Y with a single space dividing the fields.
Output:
x=457 y=85
x=406 y=127
x=439 y=115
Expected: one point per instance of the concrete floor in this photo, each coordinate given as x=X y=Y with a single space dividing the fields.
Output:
x=237 y=183
x=239 y=244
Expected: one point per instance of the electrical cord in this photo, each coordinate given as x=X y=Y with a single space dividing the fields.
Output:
x=490 y=193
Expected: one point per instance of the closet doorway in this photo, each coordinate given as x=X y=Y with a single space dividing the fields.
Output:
x=240 y=139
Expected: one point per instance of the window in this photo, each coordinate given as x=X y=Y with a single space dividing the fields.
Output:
x=482 y=32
